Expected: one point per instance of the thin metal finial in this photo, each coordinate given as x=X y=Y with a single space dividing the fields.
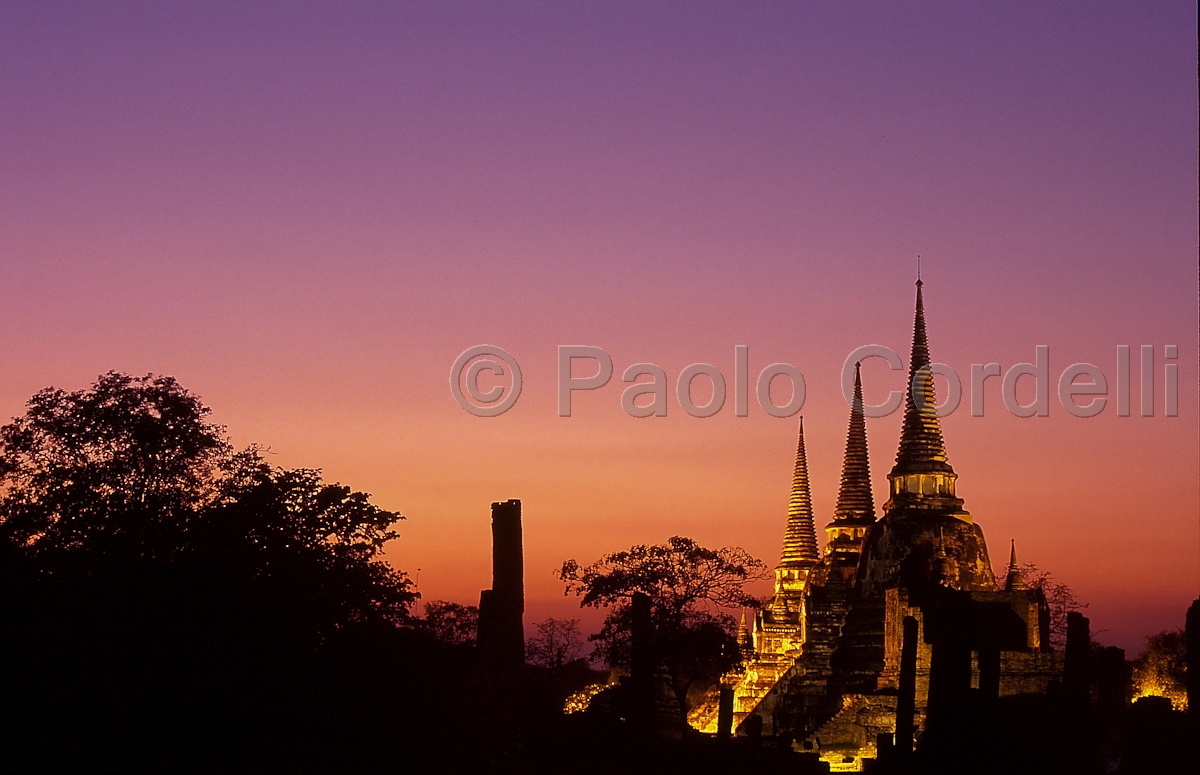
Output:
x=918 y=269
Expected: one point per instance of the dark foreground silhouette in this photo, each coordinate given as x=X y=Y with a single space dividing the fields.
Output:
x=170 y=604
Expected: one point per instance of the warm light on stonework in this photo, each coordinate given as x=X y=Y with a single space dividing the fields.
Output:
x=582 y=699
x=1178 y=697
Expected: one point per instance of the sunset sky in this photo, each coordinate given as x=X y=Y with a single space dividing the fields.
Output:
x=305 y=212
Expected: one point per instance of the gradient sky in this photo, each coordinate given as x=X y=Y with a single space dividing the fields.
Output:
x=306 y=212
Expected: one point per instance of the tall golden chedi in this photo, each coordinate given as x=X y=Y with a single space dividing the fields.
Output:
x=811 y=588
x=855 y=510
x=923 y=507
x=778 y=627
x=802 y=658
x=777 y=638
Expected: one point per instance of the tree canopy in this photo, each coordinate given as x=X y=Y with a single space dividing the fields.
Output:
x=130 y=477
x=452 y=623
x=1161 y=670
x=159 y=583
x=554 y=643
x=691 y=589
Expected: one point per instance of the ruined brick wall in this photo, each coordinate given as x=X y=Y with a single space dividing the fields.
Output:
x=1029 y=672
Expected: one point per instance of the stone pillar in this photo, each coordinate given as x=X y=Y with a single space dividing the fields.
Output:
x=1076 y=673
x=725 y=713
x=949 y=683
x=500 y=637
x=906 y=703
x=1193 y=659
x=949 y=667
x=508 y=583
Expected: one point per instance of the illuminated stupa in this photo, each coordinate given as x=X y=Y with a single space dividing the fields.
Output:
x=855 y=511
x=805 y=614
x=900 y=550
x=777 y=637
x=800 y=551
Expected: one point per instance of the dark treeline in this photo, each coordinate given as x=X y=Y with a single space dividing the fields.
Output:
x=173 y=604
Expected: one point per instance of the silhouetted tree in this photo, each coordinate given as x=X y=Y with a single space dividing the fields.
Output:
x=690 y=588
x=1161 y=670
x=1060 y=599
x=159 y=585
x=452 y=622
x=555 y=642
x=113 y=468
x=129 y=477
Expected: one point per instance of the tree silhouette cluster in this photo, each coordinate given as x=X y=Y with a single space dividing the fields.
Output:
x=554 y=644
x=692 y=589
x=1060 y=599
x=452 y=623
x=164 y=592
x=1161 y=670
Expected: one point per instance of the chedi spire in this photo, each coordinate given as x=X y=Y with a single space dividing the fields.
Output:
x=922 y=481
x=922 y=449
x=800 y=538
x=1015 y=580
x=855 y=503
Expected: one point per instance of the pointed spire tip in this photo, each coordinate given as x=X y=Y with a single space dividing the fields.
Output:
x=921 y=446
x=800 y=538
x=855 y=502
